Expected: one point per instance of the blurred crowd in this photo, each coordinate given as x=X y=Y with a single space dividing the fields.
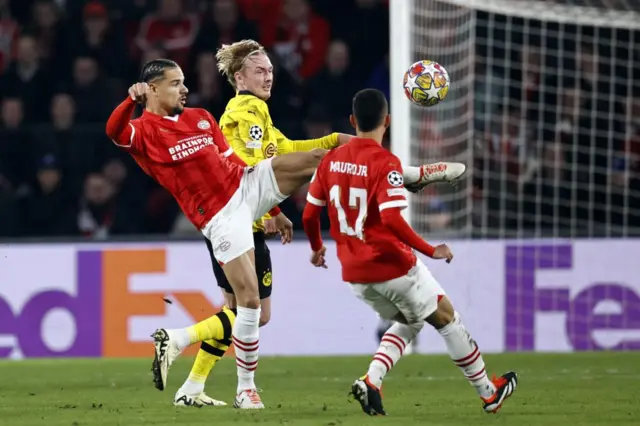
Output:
x=65 y=64
x=556 y=110
x=557 y=125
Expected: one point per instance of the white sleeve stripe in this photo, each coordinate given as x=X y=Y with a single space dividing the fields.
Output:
x=392 y=204
x=228 y=152
x=130 y=144
x=313 y=200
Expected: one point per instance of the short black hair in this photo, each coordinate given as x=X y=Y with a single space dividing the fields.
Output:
x=155 y=69
x=369 y=109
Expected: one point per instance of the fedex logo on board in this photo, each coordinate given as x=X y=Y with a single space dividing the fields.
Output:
x=100 y=309
x=526 y=297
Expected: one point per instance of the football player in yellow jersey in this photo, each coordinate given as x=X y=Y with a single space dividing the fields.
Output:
x=248 y=127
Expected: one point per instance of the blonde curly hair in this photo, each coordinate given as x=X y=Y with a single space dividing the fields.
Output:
x=231 y=57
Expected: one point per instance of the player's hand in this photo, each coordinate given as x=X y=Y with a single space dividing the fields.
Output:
x=138 y=92
x=284 y=227
x=317 y=258
x=270 y=227
x=443 y=252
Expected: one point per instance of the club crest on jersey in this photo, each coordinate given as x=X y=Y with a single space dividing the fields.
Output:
x=223 y=245
x=204 y=125
x=255 y=133
x=267 y=279
x=395 y=178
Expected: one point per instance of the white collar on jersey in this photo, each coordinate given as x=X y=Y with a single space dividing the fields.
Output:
x=172 y=117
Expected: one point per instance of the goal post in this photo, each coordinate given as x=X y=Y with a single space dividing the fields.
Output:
x=540 y=110
x=401 y=12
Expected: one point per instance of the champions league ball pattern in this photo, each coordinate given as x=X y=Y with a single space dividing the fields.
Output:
x=426 y=83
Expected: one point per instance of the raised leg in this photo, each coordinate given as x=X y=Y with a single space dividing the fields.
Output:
x=295 y=169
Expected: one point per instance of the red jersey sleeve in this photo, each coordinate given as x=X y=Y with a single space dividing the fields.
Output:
x=390 y=192
x=392 y=219
x=392 y=197
x=316 y=194
x=316 y=200
x=121 y=130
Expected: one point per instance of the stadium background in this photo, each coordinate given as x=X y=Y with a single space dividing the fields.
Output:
x=553 y=146
x=66 y=64
x=544 y=107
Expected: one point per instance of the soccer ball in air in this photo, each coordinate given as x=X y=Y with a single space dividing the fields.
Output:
x=426 y=83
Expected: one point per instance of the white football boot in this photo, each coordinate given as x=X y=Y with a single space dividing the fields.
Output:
x=438 y=172
x=167 y=350
x=184 y=400
x=249 y=400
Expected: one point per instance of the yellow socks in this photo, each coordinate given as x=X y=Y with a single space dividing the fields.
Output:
x=215 y=335
x=217 y=327
x=209 y=354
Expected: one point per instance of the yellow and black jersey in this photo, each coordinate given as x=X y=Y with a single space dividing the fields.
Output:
x=247 y=126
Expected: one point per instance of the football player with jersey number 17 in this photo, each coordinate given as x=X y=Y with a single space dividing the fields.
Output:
x=184 y=150
x=361 y=185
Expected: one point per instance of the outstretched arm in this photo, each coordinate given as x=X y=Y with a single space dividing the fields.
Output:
x=286 y=145
x=411 y=174
x=392 y=219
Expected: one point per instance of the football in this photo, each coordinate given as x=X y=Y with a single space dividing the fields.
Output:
x=426 y=83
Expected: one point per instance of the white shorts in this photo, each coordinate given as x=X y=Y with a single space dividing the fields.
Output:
x=230 y=230
x=414 y=295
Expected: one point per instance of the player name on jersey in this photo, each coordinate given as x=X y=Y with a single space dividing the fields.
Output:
x=188 y=146
x=348 y=168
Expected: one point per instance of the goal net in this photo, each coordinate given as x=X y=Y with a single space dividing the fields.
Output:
x=544 y=108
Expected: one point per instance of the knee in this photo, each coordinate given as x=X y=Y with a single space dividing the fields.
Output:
x=248 y=297
x=246 y=293
x=315 y=156
x=444 y=314
x=251 y=302
x=441 y=319
x=318 y=154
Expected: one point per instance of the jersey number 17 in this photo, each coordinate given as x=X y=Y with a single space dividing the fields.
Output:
x=357 y=199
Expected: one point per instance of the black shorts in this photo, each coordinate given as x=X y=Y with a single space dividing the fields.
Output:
x=263 y=266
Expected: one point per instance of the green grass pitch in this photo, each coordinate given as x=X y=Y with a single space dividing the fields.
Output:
x=573 y=389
